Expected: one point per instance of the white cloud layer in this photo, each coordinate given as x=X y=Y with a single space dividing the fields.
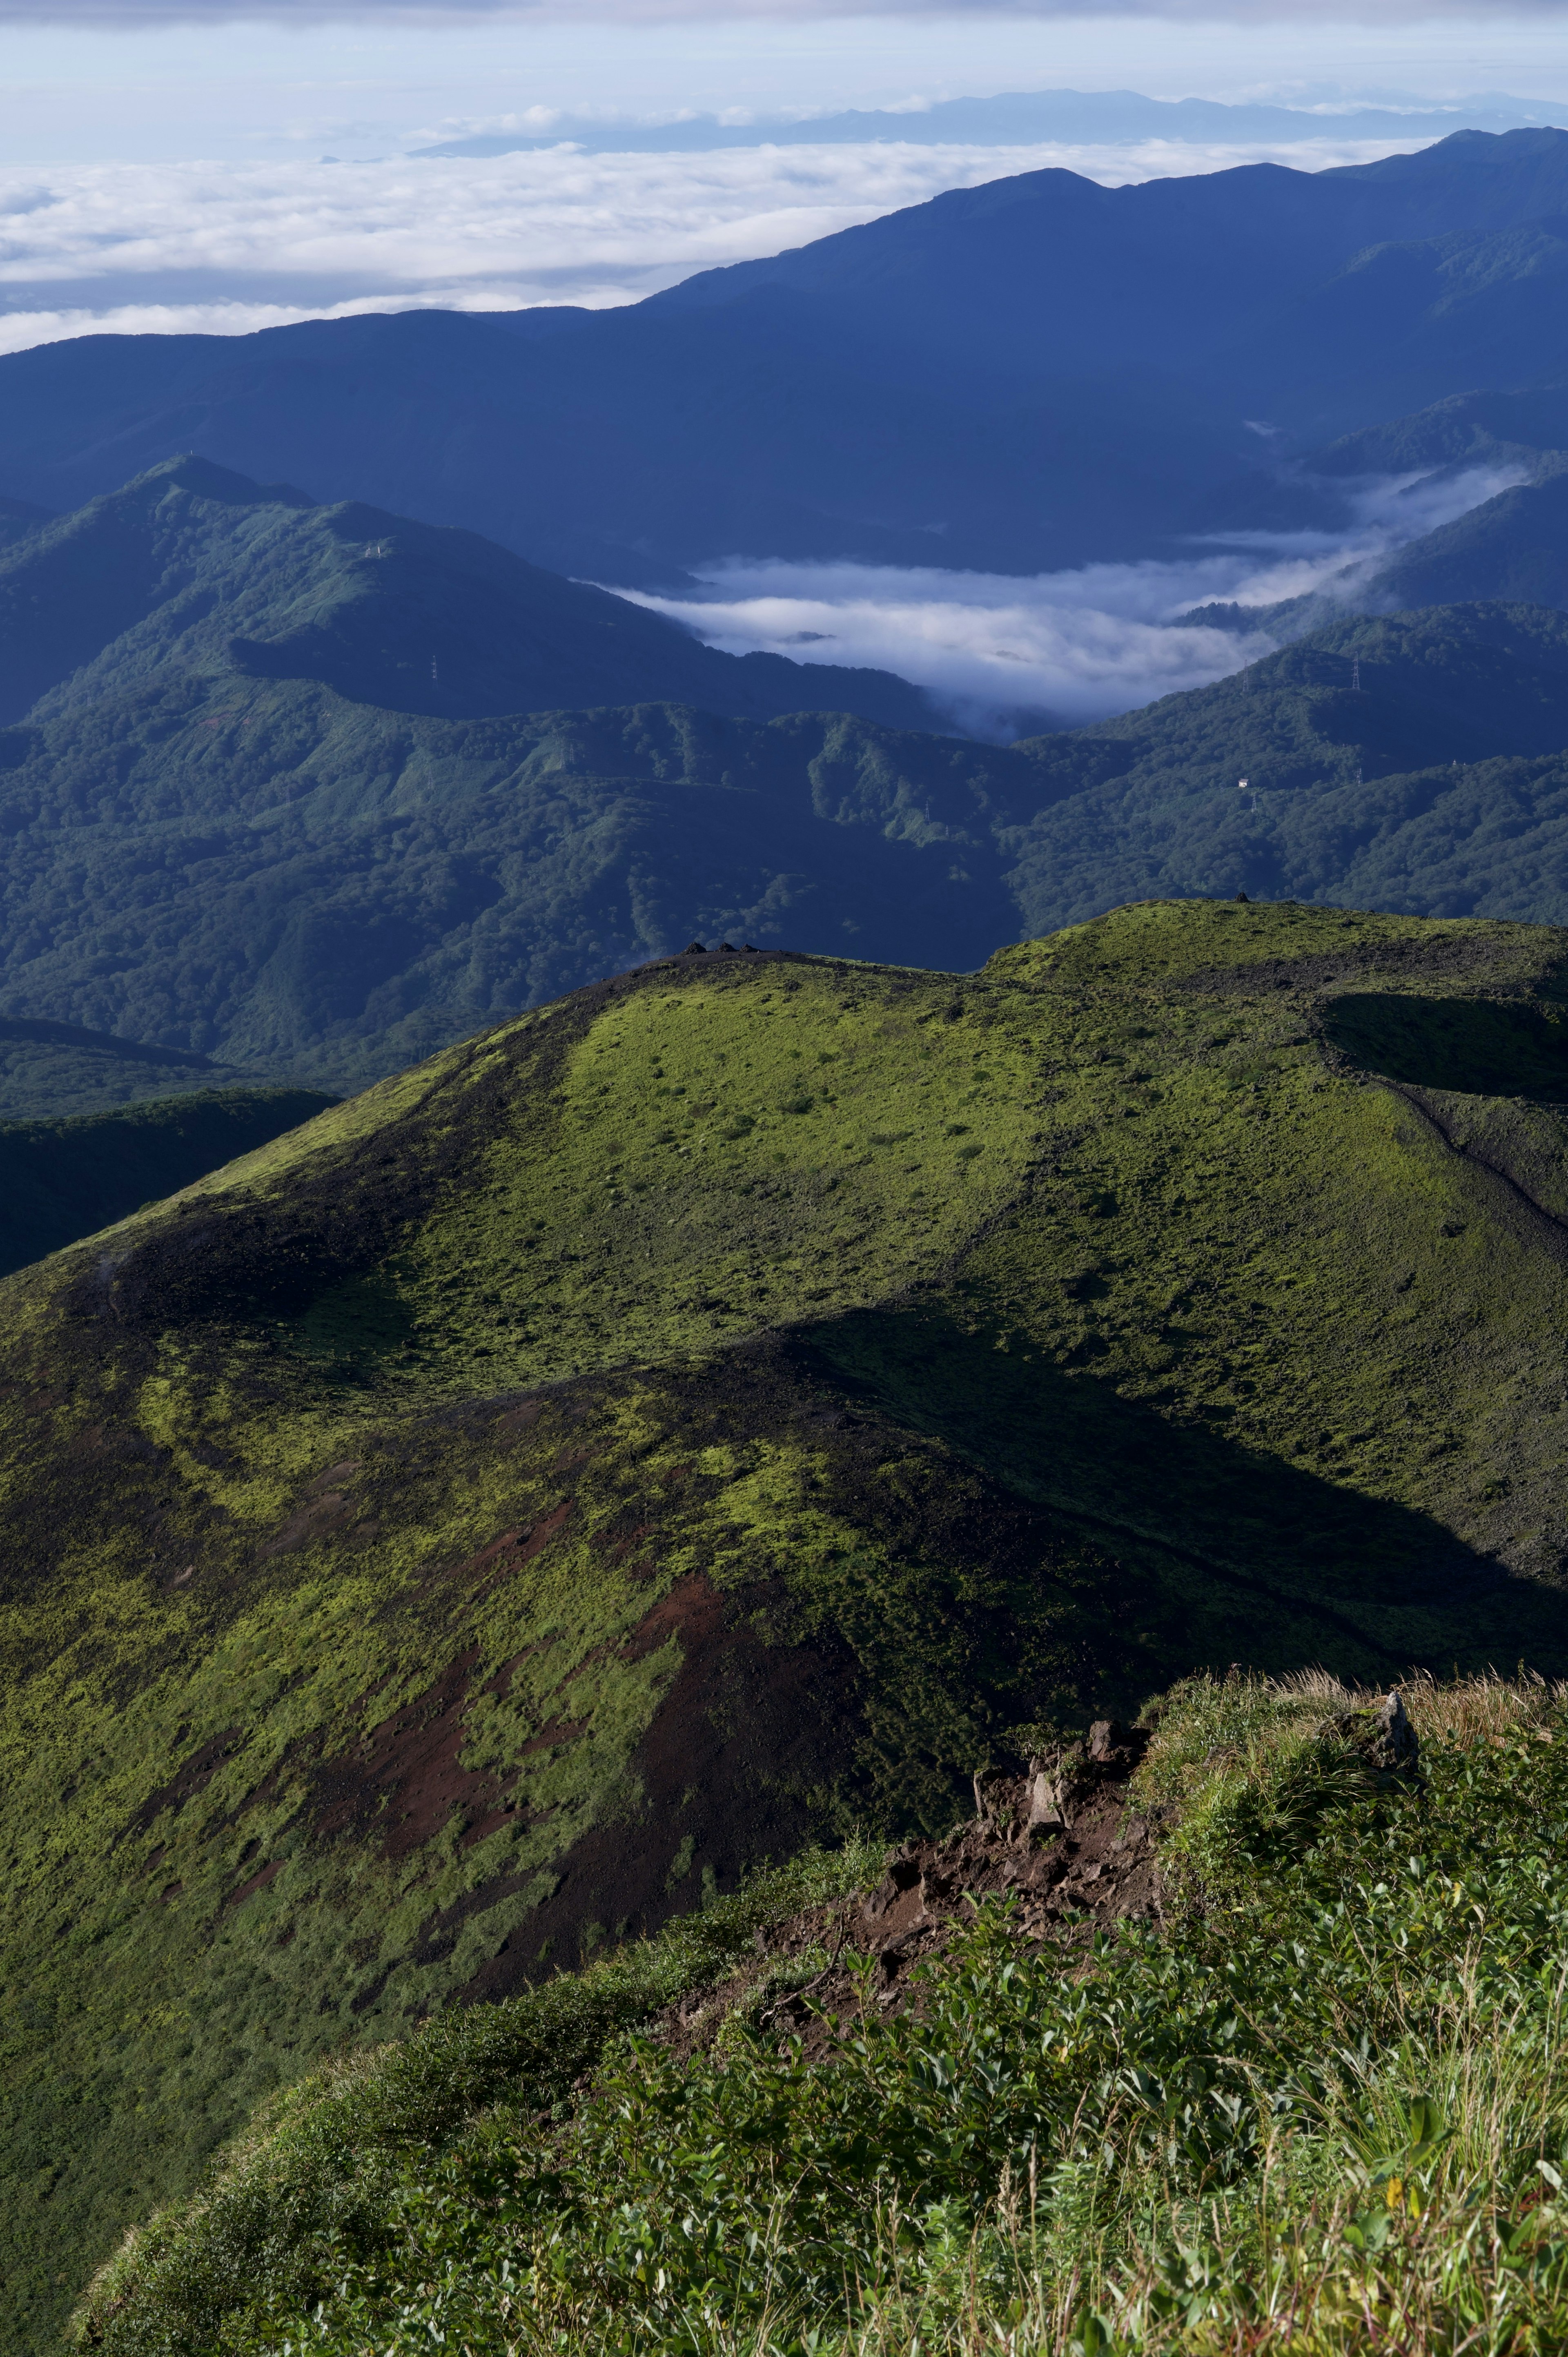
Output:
x=224 y=248
x=1078 y=646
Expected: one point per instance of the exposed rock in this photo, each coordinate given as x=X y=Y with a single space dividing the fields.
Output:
x=1384 y=1736
x=1064 y=1885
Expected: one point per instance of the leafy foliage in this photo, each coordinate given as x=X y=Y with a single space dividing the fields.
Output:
x=1338 y=2097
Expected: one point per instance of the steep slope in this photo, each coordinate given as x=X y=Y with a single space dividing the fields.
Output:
x=63 y=1180
x=717 y=1408
x=1037 y=372
x=192 y=568
x=1513 y=549
x=904 y=2027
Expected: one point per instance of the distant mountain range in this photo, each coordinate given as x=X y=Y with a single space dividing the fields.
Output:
x=729 y=1405
x=301 y=792
x=1016 y=117
x=1034 y=373
x=250 y=836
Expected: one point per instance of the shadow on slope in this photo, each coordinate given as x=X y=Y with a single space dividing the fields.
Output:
x=1473 y=1047
x=61 y=1179
x=1224 y=1552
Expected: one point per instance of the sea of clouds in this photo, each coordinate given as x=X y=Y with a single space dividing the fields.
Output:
x=226 y=247
x=1002 y=654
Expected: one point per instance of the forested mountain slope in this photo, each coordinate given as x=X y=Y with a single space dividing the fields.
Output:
x=190 y=567
x=715 y=1409
x=270 y=873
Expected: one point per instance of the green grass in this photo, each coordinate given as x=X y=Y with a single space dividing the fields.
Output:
x=325 y=2159
x=648 y=1439
x=1321 y=2106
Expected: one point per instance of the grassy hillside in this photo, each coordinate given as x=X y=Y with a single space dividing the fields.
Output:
x=956 y=2116
x=63 y=1180
x=267 y=872
x=716 y=1411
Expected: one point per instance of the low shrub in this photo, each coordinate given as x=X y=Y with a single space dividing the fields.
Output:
x=1322 y=2108
x=319 y=2178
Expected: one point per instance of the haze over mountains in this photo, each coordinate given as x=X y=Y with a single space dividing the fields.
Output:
x=1012 y=117
x=1037 y=373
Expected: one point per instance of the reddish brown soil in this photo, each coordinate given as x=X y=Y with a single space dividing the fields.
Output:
x=726 y=1770
x=1070 y=1880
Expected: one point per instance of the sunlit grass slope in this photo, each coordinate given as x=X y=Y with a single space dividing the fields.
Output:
x=709 y=1414
x=1320 y=2107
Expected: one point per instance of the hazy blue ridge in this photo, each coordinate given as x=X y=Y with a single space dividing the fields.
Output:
x=1036 y=373
x=1017 y=115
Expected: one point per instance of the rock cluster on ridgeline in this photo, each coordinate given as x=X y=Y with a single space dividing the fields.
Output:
x=1383 y=1736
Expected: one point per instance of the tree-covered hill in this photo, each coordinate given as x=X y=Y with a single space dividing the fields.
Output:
x=192 y=568
x=1379 y=793
x=292 y=883
x=714 y=1410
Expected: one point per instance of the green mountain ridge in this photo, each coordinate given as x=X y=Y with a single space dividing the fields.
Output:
x=299 y=885
x=714 y=1411
x=195 y=568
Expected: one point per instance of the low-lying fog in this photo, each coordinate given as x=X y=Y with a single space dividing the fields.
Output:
x=1003 y=654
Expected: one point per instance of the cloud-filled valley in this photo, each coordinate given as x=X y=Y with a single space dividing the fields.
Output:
x=1002 y=652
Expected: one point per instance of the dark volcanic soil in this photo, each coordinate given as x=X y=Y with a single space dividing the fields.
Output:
x=1062 y=1840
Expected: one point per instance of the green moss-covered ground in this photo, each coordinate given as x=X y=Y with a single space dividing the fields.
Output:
x=710 y=1413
